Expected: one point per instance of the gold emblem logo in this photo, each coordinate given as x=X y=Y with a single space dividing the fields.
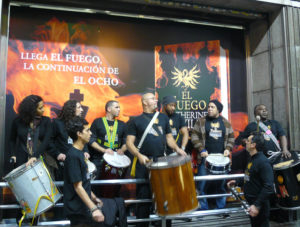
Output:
x=171 y=122
x=186 y=78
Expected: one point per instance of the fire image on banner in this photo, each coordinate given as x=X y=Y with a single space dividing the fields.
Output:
x=58 y=66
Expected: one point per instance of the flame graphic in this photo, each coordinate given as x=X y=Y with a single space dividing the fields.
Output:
x=56 y=86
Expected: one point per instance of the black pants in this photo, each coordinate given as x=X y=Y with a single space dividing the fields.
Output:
x=262 y=219
x=83 y=221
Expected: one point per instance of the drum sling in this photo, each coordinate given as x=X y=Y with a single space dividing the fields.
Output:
x=132 y=172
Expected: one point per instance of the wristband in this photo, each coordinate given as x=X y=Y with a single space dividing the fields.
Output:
x=204 y=150
x=93 y=209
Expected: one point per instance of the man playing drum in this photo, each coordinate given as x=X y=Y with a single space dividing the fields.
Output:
x=212 y=134
x=109 y=135
x=177 y=123
x=81 y=206
x=271 y=129
x=259 y=181
x=152 y=147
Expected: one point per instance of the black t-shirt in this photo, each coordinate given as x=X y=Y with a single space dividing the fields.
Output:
x=215 y=133
x=60 y=141
x=155 y=141
x=176 y=122
x=100 y=136
x=75 y=170
x=18 y=139
x=259 y=180
x=273 y=125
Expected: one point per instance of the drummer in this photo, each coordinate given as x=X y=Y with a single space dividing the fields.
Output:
x=152 y=147
x=258 y=182
x=212 y=134
x=268 y=128
x=60 y=142
x=30 y=134
x=109 y=135
x=177 y=123
x=81 y=206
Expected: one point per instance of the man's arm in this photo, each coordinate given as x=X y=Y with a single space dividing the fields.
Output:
x=172 y=144
x=185 y=137
x=283 y=143
x=134 y=151
x=97 y=147
x=97 y=214
x=196 y=136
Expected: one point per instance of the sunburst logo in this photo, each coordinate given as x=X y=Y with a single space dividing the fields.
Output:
x=186 y=78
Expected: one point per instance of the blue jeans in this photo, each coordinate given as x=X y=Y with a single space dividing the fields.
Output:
x=217 y=186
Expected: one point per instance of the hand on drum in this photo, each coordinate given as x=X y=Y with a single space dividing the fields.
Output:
x=86 y=155
x=231 y=183
x=109 y=151
x=98 y=216
x=31 y=161
x=204 y=154
x=120 y=152
x=226 y=153
x=181 y=152
x=286 y=154
x=61 y=157
x=253 y=211
x=143 y=159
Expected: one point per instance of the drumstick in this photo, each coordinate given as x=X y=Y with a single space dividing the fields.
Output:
x=245 y=205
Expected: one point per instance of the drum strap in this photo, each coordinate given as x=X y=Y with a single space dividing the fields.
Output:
x=132 y=172
x=270 y=134
x=110 y=137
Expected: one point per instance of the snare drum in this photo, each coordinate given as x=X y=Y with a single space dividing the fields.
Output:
x=173 y=185
x=287 y=181
x=217 y=164
x=91 y=169
x=29 y=184
x=114 y=167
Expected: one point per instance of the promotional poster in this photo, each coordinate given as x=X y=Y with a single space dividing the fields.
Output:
x=97 y=58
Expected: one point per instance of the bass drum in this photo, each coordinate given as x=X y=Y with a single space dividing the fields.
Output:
x=173 y=185
x=33 y=188
x=287 y=181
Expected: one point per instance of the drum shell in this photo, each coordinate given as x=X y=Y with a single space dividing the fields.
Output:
x=110 y=172
x=176 y=186
x=29 y=184
x=287 y=181
x=213 y=169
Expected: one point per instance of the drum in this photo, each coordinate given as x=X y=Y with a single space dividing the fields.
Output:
x=33 y=188
x=91 y=169
x=173 y=185
x=287 y=182
x=217 y=164
x=114 y=167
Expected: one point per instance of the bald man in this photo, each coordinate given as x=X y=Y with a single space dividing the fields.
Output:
x=153 y=146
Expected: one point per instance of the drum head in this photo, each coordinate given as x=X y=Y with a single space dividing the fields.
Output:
x=19 y=170
x=169 y=162
x=217 y=159
x=116 y=160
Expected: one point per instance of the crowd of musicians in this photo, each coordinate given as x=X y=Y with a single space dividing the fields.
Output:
x=67 y=142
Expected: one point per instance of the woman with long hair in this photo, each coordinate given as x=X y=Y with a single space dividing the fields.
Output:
x=60 y=142
x=30 y=131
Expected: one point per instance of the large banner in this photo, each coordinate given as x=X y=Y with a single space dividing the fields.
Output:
x=94 y=59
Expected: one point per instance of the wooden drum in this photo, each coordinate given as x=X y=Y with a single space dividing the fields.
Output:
x=173 y=185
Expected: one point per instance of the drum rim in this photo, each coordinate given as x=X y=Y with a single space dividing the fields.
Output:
x=287 y=167
x=20 y=170
x=185 y=160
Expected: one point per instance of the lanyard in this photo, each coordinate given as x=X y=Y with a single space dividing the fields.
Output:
x=110 y=138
